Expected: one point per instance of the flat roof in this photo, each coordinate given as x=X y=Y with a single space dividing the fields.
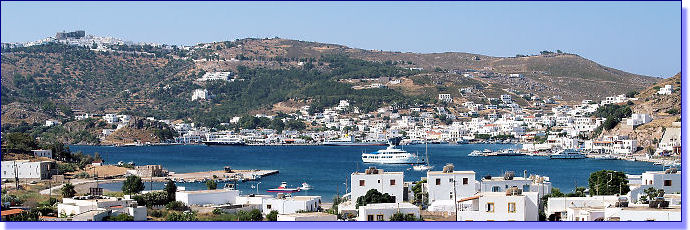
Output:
x=381 y=173
x=303 y=214
x=390 y=205
x=454 y=172
x=206 y=191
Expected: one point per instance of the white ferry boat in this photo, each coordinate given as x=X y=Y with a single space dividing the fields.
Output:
x=392 y=155
x=568 y=154
x=223 y=140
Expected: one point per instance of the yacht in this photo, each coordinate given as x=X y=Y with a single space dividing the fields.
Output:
x=283 y=189
x=509 y=152
x=424 y=167
x=607 y=157
x=476 y=153
x=223 y=139
x=392 y=155
x=305 y=186
x=568 y=154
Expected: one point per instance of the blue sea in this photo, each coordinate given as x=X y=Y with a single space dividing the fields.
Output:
x=328 y=168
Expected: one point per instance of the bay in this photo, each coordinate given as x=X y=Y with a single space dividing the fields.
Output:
x=328 y=168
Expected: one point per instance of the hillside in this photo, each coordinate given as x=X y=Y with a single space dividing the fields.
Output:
x=158 y=81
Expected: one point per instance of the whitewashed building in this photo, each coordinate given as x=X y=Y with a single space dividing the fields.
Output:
x=211 y=76
x=205 y=197
x=513 y=205
x=43 y=153
x=384 y=211
x=445 y=97
x=449 y=185
x=308 y=216
x=291 y=204
x=558 y=207
x=117 y=205
x=373 y=178
x=638 y=119
x=25 y=169
x=666 y=90
x=534 y=183
x=669 y=180
x=200 y=94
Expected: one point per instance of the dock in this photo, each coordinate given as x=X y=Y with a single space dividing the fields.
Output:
x=222 y=175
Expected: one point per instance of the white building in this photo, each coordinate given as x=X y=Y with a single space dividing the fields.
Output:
x=204 y=197
x=211 y=76
x=384 y=211
x=612 y=144
x=373 y=178
x=506 y=98
x=445 y=97
x=513 y=205
x=111 y=118
x=52 y=122
x=308 y=216
x=671 y=141
x=669 y=180
x=563 y=208
x=291 y=204
x=78 y=205
x=666 y=90
x=449 y=185
x=43 y=153
x=534 y=183
x=200 y=94
x=28 y=170
x=643 y=213
x=515 y=75
x=638 y=119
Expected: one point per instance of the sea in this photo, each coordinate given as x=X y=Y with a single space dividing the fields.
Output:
x=327 y=168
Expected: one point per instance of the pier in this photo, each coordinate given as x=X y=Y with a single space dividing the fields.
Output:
x=223 y=175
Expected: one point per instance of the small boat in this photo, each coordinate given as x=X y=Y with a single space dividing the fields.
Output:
x=568 y=154
x=283 y=189
x=509 y=152
x=305 y=186
x=424 y=167
x=607 y=157
x=476 y=153
x=463 y=142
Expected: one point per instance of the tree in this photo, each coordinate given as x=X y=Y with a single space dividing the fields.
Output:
x=278 y=125
x=170 y=189
x=650 y=193
x=121 y=217
x=176 y=206
x=211 y=184
x=297 y=125
x=398 y=216
x=373 y=196
x=21 y=142
x=68 y=190
x=272 y=216
x=184 y=216
x=132 y=185
x=608 y=182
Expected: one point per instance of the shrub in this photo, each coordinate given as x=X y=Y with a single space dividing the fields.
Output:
x=211 y=184
x=68 y=190
x=121 y=217
x=157 y=213
x=217 y=211
x=373 y=196
x=272 y=216
x=185 y=216
x=132 y=185
x=176 y=206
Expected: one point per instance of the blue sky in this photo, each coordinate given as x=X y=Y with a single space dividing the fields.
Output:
x=638 y=37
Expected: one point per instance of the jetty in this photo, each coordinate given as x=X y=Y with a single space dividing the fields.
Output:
x=222 y=175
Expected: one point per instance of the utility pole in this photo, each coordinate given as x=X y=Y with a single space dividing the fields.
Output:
x=455 y=198
x=16 y=175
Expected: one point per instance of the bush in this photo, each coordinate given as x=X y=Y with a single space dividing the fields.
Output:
x=176 y=206
x=68 y=190
x=121 y=217
x=373 y=196
x=152 y=198
x=402 y=217
x=211 y=184
x=272 y=216
x=132 y=185
x=185 y=216
x=217 y=211
x=157 y=213
x=170 y=189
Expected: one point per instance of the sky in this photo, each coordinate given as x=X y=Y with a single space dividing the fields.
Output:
x=637 y=37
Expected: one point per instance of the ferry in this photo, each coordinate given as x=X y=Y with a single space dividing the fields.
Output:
x=223 y=140
x=350 y=141
x=283 y=189
x=392 y=155
x=568 y=154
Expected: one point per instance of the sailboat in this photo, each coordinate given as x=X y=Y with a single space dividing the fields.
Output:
x=424 y=167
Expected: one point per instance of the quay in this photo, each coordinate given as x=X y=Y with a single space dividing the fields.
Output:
x=222 y=175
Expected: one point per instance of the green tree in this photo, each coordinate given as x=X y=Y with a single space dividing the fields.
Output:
x=132 y=185
x=211 y=184
x=272 y=216
x=608 y=182
x=373 y=196
x=21 y=142
x=176 y=206
x=170 y=189
x=398 y=216
x=121 y=217
x=650 y=193
x=184 y=216
x=68 y=190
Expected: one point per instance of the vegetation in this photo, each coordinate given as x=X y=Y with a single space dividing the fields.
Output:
x=650 y=193
x=68 y=190
x=373 y=196
x=608 y=182
x=121 y=217
x=170 y=189
x=211 y=184
x=402 y=217
x=184 y=216
x=176 y=206
x=133 y=185
x=613 y=113
x=272 y=216
x=152 y=198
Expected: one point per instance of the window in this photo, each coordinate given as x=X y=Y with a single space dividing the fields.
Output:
x=450 y=179
x=525 y=188
x=490 y=207
x=392 y=182
x=370 y=218
x=438 y=181
x=268 y=206
x=511 y=207
x=379 y=181
x=496 y=189
x=465 y=181
x=361 y=182
x=379 y=217
x=667 y=183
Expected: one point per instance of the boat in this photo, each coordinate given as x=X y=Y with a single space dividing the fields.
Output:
x=392 y=155
x=568 y=154
x=305 y=186
x=350 y=141
x=476 y=153
x=283 y=189
x=509 y=152
x=607 y=157
x=223 y=139
x=463 y=142
x=424 y=167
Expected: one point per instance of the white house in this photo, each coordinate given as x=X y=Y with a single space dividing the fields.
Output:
x=27 y=169
x=449 y=185
x=384 y=211
x=373 y=178
x=43 y=153
x=111 y=118
x=506 y=98
x=513 y=205
x=643 y=213
x=534 y=183
x=669 y=181
x=445 y=97
x=81 y=204
x=291 y=204
x=671 y=141
x=307 y=216
x=666 y=90
x=211 y=76
x=52 y=122
x=200 y=94
x=515 y=75
x=204 y=197
x=559 y=206
x=638 y=119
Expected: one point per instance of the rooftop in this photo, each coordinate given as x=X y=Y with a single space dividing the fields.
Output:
x=453 y=172
x=304 y=214
x=389 y=205
x=206 y=191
